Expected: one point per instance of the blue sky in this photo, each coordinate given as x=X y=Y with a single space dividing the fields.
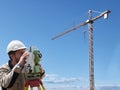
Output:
x=65 y=59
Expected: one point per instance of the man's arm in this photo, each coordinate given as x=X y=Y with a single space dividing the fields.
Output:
x=7 y=76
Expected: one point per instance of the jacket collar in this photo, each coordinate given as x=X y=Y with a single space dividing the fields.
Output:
x=10 y=64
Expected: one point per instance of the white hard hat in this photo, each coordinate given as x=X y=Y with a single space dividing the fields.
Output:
x=15 y=45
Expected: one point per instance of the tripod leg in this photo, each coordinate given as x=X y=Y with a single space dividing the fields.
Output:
x=39 y=88
x=26 y=87
x=31 y=88
x=43 y=87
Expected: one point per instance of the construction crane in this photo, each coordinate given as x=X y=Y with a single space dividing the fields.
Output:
x=90 y=30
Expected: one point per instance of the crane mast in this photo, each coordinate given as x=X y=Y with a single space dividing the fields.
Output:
x=91 y=56
x=90 y=30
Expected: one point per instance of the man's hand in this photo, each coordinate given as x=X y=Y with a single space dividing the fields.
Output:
x=42 y=72
x=22 y=60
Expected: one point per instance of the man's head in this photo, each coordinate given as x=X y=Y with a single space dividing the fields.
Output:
x=15 y=49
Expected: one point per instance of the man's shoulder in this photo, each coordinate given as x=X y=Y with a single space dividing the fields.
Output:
x=5 y=66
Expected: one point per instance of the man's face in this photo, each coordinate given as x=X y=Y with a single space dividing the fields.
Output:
x=18 y=54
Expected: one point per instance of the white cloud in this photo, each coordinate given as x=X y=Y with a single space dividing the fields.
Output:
x=53 y=78
x=55 y=82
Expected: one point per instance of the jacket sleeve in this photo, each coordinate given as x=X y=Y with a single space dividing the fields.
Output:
x=8 y=76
